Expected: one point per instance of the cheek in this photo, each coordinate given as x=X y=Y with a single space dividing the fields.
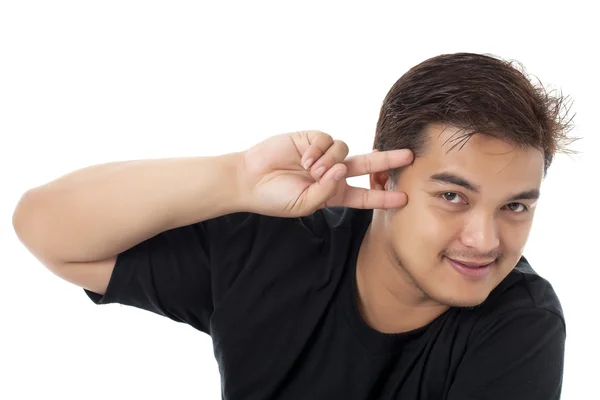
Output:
x=421 y=227
x=513 y=237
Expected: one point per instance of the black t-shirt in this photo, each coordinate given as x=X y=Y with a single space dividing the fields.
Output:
x=278 y=298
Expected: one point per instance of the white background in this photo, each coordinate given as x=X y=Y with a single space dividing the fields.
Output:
x=85 y=82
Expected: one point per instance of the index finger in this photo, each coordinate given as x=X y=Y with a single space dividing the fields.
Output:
x=378 y=161
x=373 y=198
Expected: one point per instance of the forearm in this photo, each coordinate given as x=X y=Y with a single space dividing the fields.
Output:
x=99 y=211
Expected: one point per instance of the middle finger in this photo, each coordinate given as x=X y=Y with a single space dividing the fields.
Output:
x=378 y=161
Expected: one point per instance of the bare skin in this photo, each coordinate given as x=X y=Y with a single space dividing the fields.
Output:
x=294 y=174
x=404 y=277
x=77 y=224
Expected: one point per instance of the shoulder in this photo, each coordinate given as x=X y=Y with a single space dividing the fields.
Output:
x=343 y=217
x=523 y=295
x=515 y=347
x=321 y=221
x=525 y=288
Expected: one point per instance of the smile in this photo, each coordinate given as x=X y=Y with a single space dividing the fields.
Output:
x=472 y=264
x=473 y=270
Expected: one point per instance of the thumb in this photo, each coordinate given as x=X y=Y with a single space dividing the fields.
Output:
x=324 y=189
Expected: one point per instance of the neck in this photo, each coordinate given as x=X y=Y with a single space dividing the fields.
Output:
x=389 y=300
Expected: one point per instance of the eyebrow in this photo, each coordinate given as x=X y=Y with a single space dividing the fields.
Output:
x=452 y=179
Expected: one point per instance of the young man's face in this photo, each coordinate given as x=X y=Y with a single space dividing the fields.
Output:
x=444 y=219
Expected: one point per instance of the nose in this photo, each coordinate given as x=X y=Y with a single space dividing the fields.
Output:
x=481 y=233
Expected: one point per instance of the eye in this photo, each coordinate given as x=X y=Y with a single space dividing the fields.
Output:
x=517 y=207
x=452 y=197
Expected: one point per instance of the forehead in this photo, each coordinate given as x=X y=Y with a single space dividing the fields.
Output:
x=482 y=159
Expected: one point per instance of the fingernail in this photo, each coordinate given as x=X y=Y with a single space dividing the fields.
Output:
x=320 y=171
x=308 y=163
x=338 y=175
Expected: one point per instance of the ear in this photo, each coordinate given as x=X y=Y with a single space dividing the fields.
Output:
x=379 y=180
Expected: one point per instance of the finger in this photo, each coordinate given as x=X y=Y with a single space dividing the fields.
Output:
x=334 y=155
x=319 y=192
x=356 y=197
x=378 y=161
x=319 y=143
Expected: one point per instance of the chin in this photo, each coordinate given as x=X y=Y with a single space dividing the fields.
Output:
x=461 y=301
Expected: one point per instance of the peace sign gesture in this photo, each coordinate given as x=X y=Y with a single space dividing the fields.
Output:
x=295 y=174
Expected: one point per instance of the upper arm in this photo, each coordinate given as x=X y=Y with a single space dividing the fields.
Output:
x=168 y=274
x=179 y=273
x=518 y=355
x=93 y=276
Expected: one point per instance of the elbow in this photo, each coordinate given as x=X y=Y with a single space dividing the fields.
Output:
x=20 y=213
x=24 y=216
x=28 y=223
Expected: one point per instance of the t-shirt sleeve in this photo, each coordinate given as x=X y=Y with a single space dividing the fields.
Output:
x=518 y=355
x=172 y=274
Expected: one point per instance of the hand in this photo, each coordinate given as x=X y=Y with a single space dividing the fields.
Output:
x=295 y=174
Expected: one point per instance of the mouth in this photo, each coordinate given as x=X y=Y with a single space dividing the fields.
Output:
x=471 y=269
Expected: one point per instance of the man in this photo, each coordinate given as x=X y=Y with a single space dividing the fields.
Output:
x=312 y=289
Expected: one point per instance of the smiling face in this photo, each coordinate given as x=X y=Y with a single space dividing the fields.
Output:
x=473 y=204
